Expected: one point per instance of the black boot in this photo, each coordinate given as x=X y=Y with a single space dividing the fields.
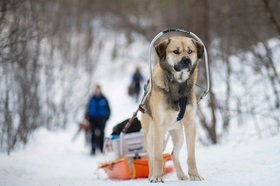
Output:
x=92 y=152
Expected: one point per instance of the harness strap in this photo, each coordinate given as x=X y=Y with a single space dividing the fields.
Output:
x=130 y=121
x=140 y=108
x=182 y=105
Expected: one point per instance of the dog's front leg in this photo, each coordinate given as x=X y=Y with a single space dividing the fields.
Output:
x=157 y=159
x=190 y=131
x=178 y=140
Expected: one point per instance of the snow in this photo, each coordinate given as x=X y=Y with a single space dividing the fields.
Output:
x=54 y=159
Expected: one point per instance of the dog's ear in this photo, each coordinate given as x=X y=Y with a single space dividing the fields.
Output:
x=199 y=48
x=161 y=48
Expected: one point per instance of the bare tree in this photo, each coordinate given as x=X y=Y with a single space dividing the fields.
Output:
x=42 y=44
x=46 y=45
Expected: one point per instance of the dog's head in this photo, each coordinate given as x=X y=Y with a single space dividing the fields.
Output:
x=179 y=56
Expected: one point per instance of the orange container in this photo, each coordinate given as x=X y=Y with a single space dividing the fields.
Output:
x=127 y=168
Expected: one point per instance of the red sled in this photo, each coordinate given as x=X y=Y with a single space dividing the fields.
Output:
x=128 y=168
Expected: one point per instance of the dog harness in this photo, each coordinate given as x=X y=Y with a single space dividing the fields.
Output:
x=182 y=101
x=182 y=105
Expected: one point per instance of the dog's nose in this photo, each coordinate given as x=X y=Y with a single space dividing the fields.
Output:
x=186 y=61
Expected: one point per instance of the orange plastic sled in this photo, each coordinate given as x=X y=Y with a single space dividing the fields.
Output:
x=127 y=168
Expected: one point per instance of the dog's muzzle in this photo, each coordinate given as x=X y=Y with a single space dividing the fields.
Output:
x=185 y=63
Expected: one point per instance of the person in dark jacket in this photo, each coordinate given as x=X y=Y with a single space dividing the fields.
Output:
x=135 y=86
x=98 y=112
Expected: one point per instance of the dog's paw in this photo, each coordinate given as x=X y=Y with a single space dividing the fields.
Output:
x=182 y=177
x=196 y=177
x=156 y=179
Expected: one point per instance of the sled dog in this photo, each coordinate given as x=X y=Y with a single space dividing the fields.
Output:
x=172 y=105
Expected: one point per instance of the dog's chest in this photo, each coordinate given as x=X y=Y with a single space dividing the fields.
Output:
x=168 y=117
x=172 y=104
x=173 y=96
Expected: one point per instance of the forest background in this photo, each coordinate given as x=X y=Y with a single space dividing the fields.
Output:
x=47 y=48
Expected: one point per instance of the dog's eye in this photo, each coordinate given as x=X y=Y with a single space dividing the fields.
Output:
x=190 y=51
x=176 y=52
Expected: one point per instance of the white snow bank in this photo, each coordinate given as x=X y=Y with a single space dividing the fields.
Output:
x=56 y=160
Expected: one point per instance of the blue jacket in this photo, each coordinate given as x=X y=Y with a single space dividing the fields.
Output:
x=98 y=107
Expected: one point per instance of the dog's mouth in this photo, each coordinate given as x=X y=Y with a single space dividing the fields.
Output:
x=184 y=64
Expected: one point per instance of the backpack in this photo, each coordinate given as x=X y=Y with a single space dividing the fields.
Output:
x=134 y=127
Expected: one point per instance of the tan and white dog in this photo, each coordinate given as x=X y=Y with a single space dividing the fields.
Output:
x=173 y=79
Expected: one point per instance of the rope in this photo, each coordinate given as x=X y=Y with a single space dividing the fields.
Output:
x=201 y=87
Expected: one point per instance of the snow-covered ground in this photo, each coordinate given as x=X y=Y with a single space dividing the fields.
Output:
x=53 y=159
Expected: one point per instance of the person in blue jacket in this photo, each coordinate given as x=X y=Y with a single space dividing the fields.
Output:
x=98 y=112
